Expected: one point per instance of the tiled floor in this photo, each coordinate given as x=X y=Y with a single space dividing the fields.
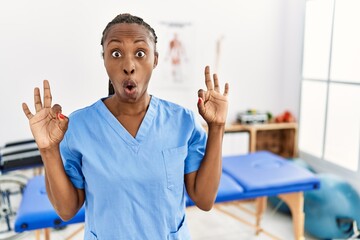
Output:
x=214 y=225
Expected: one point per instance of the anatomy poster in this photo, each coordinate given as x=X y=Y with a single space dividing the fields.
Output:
x=177 y=53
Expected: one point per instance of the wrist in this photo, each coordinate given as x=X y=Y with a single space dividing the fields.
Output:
x=216 y=127
x=49 y=151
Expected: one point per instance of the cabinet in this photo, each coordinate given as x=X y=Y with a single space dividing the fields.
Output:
x=279 y=138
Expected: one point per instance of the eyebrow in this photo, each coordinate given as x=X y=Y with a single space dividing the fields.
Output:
x=136 y=41
x=140 y=40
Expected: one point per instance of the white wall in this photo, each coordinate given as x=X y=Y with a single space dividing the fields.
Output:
x=60 y=41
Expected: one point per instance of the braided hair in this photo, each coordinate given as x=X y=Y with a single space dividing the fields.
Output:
x=128 y=18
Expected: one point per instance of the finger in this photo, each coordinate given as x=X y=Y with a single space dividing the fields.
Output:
x=216 y=83
x=26 y=110
x=63 y=123
x=226 y=90
x=208 y=83
x=37 y=100
x=201 y=94
x=47 y=94
x=56 y=109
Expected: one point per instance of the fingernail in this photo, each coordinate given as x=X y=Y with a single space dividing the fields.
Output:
x=60 y=116
x=199 y=100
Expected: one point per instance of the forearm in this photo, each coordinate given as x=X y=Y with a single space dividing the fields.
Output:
x=61 y=192
x=202 y=185
x=208 y=175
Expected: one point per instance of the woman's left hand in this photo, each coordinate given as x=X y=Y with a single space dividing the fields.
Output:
x=213 y=105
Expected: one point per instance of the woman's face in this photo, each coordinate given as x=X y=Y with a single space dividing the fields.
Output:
x=129 y=58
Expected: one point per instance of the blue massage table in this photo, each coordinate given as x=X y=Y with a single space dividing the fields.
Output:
x=19 y=155
x=36 y=212
x=253 y=176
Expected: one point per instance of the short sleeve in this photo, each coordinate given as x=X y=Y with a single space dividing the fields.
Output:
x=196 y=149
x=72 y=164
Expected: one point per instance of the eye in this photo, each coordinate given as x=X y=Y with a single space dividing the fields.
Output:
x=116 y=54
x=140 y=54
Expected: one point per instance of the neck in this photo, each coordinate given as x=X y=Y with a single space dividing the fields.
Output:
x=118 y=107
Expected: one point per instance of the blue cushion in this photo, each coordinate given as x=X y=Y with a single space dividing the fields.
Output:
x=264 y=173
x=36 y=211
x=229 y=190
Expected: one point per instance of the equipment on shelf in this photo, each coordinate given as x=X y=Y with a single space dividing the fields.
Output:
x=252 y=117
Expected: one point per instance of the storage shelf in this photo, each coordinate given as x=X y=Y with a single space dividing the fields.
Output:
x=279 y=138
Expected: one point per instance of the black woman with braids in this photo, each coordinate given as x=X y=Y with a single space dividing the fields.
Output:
x=130 y=156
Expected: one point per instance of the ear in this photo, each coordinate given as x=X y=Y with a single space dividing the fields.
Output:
x=156 y=58
x=102 y=51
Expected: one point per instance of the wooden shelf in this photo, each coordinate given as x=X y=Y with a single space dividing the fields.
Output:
x=279 y=138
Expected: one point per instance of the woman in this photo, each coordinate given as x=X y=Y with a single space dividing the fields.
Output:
x=129 y=155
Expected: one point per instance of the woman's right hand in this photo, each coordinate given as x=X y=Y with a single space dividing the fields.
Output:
x=48 y=125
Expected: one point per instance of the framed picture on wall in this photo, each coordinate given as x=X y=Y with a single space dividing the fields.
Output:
x=177 y=54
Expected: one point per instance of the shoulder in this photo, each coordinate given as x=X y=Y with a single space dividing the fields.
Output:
x=86 y=112
x=169 y=106
x=85 y=118
x=174 y=114
x=85 y=121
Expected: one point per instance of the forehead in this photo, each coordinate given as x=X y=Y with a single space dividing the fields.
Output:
x=127 y=30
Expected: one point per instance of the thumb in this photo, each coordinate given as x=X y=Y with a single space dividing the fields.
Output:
x=201 y=106
x=63 y=123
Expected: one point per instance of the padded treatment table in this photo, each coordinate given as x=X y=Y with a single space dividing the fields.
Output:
x=36 y=212
x=245 y=177
x=262 y=174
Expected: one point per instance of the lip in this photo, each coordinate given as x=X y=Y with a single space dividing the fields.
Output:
x=129 y=87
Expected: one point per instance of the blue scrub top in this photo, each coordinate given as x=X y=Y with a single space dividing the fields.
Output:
x=134 y=186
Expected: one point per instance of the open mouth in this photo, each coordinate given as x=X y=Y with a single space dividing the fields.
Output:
x=129 y=86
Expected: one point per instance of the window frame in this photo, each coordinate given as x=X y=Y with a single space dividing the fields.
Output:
x=320 y=164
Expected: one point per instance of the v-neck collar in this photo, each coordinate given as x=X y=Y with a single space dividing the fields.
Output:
x=120 y=129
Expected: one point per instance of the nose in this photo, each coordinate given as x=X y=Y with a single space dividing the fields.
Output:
x=129 y=67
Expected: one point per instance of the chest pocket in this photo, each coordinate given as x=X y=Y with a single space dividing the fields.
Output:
x=174 y=161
